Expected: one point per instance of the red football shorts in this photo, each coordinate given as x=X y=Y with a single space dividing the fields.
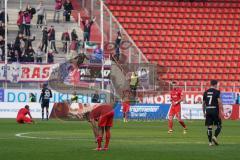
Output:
x=106 y=120
x=126 y=107
x=175 y=109
x=24 y=119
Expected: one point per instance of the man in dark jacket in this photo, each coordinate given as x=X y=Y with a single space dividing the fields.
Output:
x=51 y=38
x=67 y=10
x=44 y=39
x=87 y=28
x=65 y=41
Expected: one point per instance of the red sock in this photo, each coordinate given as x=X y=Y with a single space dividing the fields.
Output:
x=108 y=135
x=170 y=123
x=99 y=141
x=183 y=124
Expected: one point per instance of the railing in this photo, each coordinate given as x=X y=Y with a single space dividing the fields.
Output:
x=110 y=28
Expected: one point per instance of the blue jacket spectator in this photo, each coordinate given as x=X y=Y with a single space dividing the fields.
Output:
x=97 y=56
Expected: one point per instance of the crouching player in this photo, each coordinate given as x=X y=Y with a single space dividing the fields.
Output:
x=22 y=116
x=101 y=117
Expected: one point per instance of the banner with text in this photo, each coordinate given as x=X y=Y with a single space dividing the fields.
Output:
x=16 y=72
x=10 y=110
x=23 y=95
x=194 y=111
x=144 y=111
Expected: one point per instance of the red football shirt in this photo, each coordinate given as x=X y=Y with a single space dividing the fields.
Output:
x=23 y=112
x=100 y=110
x=176 y=95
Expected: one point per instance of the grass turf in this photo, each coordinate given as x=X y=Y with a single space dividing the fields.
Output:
x=132 y=141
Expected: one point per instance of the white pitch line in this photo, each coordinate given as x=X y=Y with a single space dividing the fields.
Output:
x=26 y=135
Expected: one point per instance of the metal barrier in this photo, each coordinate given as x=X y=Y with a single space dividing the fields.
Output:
x=110 y=28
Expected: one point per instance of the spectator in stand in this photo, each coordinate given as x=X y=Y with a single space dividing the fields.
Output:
x=24 y=57
x=17 y=55
x=31 y=10
x=2 y=48
x=51 y=38
x=58 y=7
x=19 y=44
x=2 y=15
x=87 y=29
x=39 y=54
x=2 y=29
x=40 y=14
x=67 y=10
x=81 y=58
x=74 y=35
x=50 y=56
x=28 y=41
x=30 y=54
x=12 y=55
x=65 y=40
x=117 y=45
x=20 y=22
x=44 y=39
x=27 y=22
x=97 y=56
x=74 y=46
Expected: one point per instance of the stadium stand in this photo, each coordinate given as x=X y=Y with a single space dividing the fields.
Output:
x=196 y=41
x=191 y=42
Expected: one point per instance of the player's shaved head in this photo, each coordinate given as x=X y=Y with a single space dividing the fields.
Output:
x=27 y=106
x=214 y=82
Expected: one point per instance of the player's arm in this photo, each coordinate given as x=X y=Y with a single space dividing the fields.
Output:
x=181 y=98
x=94 y=127
x=204 y=108
x=93 y=122
x=40 y=99
x=30 y=116
x=204 y=104
x=50 y=93
x=220 y=105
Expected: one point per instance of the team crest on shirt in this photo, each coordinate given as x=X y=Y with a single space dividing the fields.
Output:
x=227 y=109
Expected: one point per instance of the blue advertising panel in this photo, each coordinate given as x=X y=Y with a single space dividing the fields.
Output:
x=228 y=97
x=1 y=95
x=144 y=111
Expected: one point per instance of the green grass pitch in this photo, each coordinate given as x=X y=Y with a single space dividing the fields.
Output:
x=73 y=140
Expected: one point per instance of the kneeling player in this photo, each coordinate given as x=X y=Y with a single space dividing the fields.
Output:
x=22 y=115
x=102 y=116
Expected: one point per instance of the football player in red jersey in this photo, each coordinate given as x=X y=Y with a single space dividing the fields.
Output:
x=102 y=117
x=125 y=107
x=21 y=116
x=175 y=110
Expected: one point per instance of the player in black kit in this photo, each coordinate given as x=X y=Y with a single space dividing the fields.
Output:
x=44 y=99
x=212 y=110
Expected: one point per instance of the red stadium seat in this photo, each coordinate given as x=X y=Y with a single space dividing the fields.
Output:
x=199 y=38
